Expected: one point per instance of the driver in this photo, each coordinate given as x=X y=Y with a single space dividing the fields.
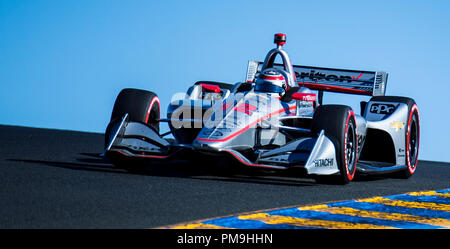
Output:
x=272 y=81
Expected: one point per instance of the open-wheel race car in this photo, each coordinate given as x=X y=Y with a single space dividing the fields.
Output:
x=273 y=120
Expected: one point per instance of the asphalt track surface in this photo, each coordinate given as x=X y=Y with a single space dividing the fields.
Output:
x=55 y=179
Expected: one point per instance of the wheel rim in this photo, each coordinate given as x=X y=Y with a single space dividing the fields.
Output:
x=350 y=148
x=413 y=143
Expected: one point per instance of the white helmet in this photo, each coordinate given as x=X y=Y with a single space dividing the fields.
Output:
x=271 y=80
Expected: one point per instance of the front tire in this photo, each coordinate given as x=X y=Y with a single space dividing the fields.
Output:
x=142 y=106
x=339 y=124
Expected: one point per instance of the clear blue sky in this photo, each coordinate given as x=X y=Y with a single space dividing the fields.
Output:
x=63 y=62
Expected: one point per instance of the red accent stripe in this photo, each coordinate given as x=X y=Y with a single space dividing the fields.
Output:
x=246 y=127
x=209 y=87
x=358 y=76
x=225 y=106
x=155 y=99
x=268 y=77
x=315 y=86
x=245 y=108
x=410 y=168
x=350 y=176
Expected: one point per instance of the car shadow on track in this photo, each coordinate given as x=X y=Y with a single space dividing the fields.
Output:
x=181 y=169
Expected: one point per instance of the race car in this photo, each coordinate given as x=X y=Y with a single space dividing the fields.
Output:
x=274 y=120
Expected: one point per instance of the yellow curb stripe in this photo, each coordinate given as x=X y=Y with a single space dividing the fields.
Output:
x=430 y=193
x=379 y=215
x=424 y=212
x=277 y=219
x=408 y=204
x=199 y=226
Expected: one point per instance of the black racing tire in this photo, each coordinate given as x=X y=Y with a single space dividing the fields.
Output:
x=412 y=133
x=142 y=106
x=339 y=124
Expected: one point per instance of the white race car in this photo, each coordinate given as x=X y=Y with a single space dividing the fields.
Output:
x=275 y=119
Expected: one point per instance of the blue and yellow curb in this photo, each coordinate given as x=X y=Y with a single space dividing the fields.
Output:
x=415 y=210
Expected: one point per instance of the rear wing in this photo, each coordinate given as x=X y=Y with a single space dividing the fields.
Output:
x=332 y=80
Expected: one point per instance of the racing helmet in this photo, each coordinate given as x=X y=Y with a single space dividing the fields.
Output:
x=271 y=80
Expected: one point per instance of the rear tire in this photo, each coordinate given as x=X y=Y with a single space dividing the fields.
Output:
x=412 y=133
x=339 y=124
x=142 y=106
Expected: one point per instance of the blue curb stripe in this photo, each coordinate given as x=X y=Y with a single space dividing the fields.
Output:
x=369 y=206
x=319 y=215
x=422 y=198
x=234 y=222
x=438 y=218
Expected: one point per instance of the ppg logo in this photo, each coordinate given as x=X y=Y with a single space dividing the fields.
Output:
x=382 y=108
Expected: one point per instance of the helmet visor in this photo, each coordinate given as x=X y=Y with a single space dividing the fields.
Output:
x=268 y=87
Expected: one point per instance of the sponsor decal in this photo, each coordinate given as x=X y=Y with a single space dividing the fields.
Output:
x=317 y=76
x=281 y=158
x=382 y=108
x=397 y=125
x=207 y=131
x=309 y=97
x=239 y=111
x=304 y=96
x=214 y=133
x=327 y=162
x=305 y=104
